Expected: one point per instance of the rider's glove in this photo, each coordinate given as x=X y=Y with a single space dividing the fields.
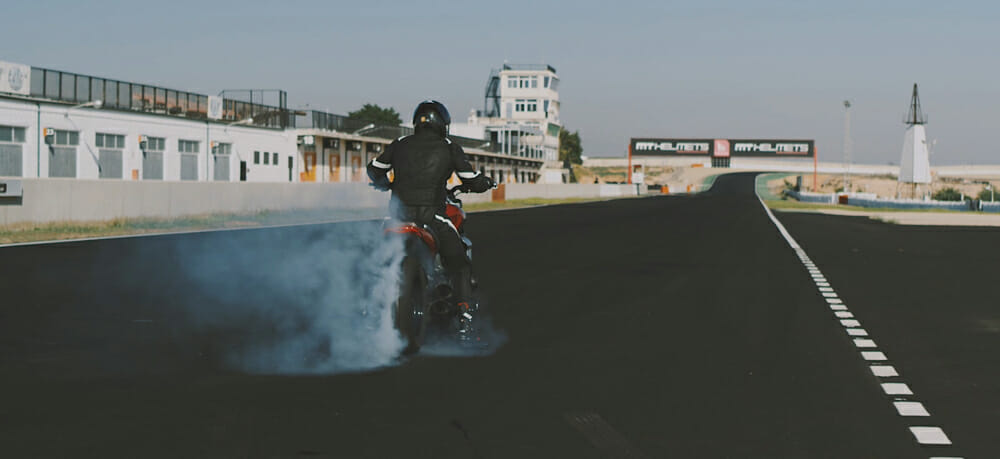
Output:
x=480 y=183
x=381 y=183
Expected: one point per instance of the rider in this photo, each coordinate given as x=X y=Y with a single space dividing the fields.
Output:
x=422 y=164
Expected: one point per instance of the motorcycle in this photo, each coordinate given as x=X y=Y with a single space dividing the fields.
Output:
x=425 y=305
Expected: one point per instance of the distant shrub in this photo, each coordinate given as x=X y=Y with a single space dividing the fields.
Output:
x=988 y=195
x=947 y=194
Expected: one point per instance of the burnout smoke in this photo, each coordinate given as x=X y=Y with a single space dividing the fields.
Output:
x=317 y=300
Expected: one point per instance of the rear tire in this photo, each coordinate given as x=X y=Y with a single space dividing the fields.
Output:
x=411 y=307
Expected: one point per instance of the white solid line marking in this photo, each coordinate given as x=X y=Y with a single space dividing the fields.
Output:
x=857 y=332
x=866 y=343
x=911 y=409
x=850 y=323
x=873 y=356
x=838 y=307
x=844 y=314
x=884 y=371
x=930 y=436
x=895 y=388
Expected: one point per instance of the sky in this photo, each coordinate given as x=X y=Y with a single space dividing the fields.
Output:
x=716 y=69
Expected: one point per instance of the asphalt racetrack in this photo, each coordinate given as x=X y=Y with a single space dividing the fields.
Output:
x=658 y=327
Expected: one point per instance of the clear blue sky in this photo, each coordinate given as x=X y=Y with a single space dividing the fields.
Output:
x=657 y=68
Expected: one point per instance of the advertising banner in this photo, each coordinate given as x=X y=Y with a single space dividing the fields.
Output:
x=671 y=147
x=214 y=107
x=770 y=147
x=723 y=148
x=15 y=78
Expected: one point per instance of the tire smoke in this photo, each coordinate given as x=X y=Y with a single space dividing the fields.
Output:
x=315 y=302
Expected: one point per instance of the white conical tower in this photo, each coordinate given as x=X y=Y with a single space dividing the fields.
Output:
x=915 y=165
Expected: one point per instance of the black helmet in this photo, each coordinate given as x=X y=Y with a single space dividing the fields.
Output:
x=433 y=114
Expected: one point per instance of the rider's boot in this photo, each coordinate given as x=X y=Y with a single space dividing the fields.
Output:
x=465 y=331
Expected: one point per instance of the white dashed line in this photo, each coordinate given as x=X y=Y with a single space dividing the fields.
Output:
x=893 y=388
x=873 y=356
x=864 y=343
x=925 y=435
x=884 y=371
x=910 y=409
x=930 y=436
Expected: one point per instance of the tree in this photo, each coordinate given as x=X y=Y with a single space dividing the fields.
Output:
x=570 y=147
x=372 y=113
x=947 y=194
x=988 y=194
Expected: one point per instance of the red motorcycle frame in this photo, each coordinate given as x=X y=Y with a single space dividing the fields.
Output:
x=424 y=288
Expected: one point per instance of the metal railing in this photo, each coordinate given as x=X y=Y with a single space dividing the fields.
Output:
x=127 y=96
x=115 y=94
x=529 y=67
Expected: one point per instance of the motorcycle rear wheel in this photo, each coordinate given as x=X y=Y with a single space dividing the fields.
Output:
x=411 y=306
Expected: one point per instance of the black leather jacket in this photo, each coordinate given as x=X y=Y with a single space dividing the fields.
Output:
x=422 y=164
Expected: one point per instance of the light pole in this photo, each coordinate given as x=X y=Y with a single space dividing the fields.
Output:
x=847 y=145
x=94 y=103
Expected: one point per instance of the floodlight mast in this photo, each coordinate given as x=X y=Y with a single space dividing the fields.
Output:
x=847 y=145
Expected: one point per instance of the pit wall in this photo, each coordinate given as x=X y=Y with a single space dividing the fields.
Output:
x=69 y=200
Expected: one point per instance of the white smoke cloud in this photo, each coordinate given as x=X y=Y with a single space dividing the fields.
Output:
x=316 y=301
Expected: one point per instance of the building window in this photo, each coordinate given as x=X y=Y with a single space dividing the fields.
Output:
x=156 y=143
x=223 y=148
x=267 y=158
x=11 y=134
x=69 y=138
x=545 y=106
x=511 y=82
x=109 y=141
x=519 y=105
x=256 y=157
x=532 y=105
x=534 y=82
x=554 y=84
x=188 y=146
x=545 y=82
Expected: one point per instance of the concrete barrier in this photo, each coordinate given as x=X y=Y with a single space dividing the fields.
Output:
x=53 y=200
x=568 y=190
x=988 y=206
x=57 y=200
x=806 y=196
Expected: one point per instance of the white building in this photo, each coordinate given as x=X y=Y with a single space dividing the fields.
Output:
x=56 y=124
x=521 y=115
x=62 y=125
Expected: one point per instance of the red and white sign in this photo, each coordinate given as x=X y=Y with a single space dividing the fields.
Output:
x=721 y=148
